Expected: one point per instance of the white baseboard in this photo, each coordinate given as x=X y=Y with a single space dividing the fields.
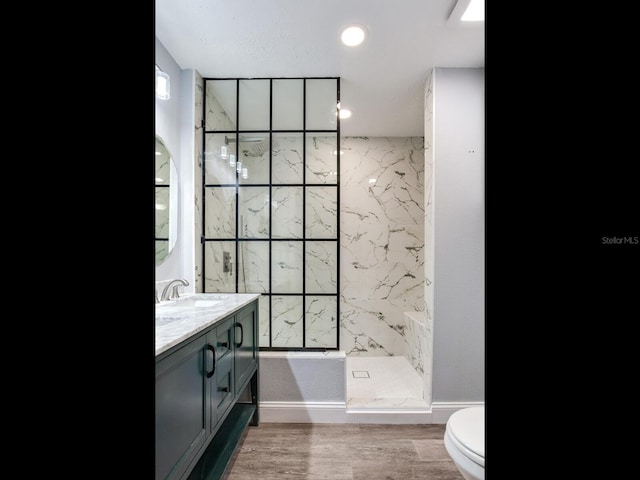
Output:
x=441 y=411
x=302 y=412
x=337 y=412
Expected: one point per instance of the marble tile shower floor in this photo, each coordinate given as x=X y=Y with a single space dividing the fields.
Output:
x=383 y=382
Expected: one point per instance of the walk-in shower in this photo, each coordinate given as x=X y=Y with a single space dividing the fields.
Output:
x=329 y=230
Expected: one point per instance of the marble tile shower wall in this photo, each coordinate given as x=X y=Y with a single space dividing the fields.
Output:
x=381 y=234
x=427 y=356
x=197 y=181
x=381 y=242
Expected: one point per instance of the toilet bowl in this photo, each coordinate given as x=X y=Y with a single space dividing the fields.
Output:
x=464 y=441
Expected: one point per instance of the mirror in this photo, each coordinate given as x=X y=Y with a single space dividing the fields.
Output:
x=166 y=202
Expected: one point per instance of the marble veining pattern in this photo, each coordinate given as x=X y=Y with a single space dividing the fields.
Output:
x=381 y=242
x=286 y=267
x=416 y=339
x=321 y=212
x=178 y=320
x=216 y=279
x=286 y=212
x=253 y=209
x=321 y=260
x=321 y=162
x=220 y=207
x=197 y=180
x=321 y=321
x=263 y=321
x=429 y=254
x=287 y=321
x=253 y=266
x=286 y=158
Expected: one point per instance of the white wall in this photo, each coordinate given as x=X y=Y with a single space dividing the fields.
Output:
x=459 y=218
x=169 y=118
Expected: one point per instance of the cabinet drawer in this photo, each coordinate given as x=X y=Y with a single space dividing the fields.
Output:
x=224 y=339
x=224 y=386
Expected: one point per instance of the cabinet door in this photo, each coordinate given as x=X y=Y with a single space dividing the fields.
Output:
x=181 y=413
x=245 y=345
x=222 y=382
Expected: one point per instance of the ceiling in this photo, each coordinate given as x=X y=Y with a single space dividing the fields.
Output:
x=381 y=81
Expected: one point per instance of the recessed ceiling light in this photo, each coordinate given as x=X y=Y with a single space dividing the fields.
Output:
x=344 y=113
x=474 y=12
x=467 y=13
x=353 y=35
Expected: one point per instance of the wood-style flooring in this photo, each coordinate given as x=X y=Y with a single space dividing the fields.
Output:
x=285 y=451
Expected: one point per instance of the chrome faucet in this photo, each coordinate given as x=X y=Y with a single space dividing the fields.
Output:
x=174 y=291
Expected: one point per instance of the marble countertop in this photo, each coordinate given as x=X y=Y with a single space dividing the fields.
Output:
x=177 y=320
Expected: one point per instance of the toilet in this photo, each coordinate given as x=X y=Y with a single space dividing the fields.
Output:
x=464 y=441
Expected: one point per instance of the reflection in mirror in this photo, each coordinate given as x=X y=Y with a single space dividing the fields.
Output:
x=166 y=202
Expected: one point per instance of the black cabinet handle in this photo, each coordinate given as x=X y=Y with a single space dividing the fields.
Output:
x=224 y=389
x=223 y=344
x=241 y=335
x=213 y=370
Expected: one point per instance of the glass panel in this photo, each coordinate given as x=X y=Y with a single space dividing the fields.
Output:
x=263 y=321
x=220 y=212
x=321 y=322
x=218 y=151
x=253 y=153
x=286 y=158
x=322 y=159
x=286 y=267
x=253 y=212
x=287 y=321
x=286 y=212
x=322 y=104
x=322 y=212
x=254 y=104
x=288 y=99
x=321 y=271
x=220 y=110
x=253 y=267
x=217 y=279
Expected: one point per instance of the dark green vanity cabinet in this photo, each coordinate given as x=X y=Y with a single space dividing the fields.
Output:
x=246 y=345
x=182 y=421
x=206 y=395
x=221 y=377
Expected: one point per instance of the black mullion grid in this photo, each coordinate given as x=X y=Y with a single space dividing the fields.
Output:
x=236 y=172
x=304 y=213
x=270 y=207
x=338 y=223
x=204 y=189
x=304 y=192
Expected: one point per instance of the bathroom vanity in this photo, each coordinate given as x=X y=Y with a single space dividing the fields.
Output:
x=206 y=388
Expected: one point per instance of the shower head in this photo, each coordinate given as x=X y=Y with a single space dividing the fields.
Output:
x=259 y=145
x=227 y=140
